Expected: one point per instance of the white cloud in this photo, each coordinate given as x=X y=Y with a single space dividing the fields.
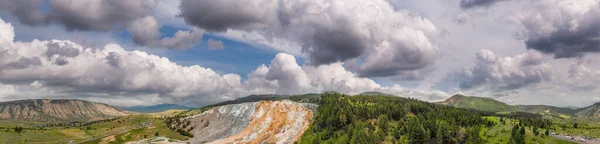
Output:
x=6 y=31
x=495 y=73
x=285 y=76
x=72 y=68
x=64 y=69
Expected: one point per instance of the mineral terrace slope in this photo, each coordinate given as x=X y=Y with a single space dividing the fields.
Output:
x=45 y=110
x=257 y=122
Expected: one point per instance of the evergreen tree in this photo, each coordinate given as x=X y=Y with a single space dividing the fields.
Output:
x=382 y=123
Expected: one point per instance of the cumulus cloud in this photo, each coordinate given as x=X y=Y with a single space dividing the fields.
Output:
x=496 y=73
x=328 y=31
x=64 y=69
x=103 y=15
x=215 y=44
x=67 y=67
x=578 y=88
x=146 y=32
x=563 y=28
x=285 y=76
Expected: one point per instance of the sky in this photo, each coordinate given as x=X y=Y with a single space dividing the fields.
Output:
x=200 y=52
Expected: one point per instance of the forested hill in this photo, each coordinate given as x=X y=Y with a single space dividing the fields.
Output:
x=376 y=119
x=478 y=103
x=304 y=98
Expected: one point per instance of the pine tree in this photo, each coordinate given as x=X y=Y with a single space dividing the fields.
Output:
x=439 y=134
x=382 y=123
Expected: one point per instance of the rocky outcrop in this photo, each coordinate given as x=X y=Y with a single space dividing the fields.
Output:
x=46 y=110
x=257 y=122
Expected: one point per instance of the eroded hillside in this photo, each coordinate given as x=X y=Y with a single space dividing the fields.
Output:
x=257 y=122
x=45 y=110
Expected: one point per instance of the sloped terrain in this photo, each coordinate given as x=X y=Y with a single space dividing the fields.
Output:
x=157 y=108
x=478 y=103
x=592 y=111
x=254 y=122
x=46 y=110
x=548 y=110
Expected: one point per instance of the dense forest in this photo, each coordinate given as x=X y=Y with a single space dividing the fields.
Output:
x=389 y=119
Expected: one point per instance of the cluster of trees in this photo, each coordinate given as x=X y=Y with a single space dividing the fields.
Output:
x=375 y=119
x=76 y=123
x=519 y=129
x=176 y=123
x=517 y=135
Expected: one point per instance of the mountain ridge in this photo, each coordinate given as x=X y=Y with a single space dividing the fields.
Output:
x=592 y=111
x=157 y=108
x=492 y=105
x=56 y=110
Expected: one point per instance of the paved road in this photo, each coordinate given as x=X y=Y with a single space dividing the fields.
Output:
x=563 y=137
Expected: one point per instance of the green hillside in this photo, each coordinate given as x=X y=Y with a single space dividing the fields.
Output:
x=478 y=103
x=553 y=111
x=390 y=119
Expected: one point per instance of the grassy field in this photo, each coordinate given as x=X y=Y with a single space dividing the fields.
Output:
x=501 y=133
x=120 y=130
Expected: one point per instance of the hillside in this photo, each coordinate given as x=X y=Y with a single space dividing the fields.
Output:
x=592 y=111
x=157 y=108
x=281 y=121
x=548 y=110
x=478 y=103
x=46 y=110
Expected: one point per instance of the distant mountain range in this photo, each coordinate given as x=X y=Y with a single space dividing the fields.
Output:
x=60 y=110
x=157 y=108
x=492 y=105
x=57 y=110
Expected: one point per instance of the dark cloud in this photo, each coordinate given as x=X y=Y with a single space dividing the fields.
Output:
x=220 y=15
x=332 y=45
x=89 y=15
x=105 y=15
x=566 y=42
x=468 y=4
x=25 y=10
